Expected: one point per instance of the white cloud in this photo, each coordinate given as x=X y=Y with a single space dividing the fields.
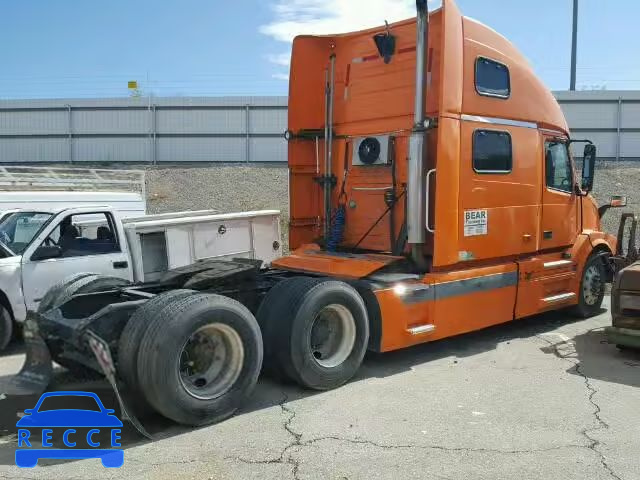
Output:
x=280 y=76
x=321 y=17
x=282 y=59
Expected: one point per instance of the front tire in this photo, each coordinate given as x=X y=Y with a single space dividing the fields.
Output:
x=592 y=286
x=6 y=327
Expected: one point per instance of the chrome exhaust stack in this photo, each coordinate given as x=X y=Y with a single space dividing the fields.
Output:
x=416 y=211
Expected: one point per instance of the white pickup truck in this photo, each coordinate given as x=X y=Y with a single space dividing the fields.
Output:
x=38 y=249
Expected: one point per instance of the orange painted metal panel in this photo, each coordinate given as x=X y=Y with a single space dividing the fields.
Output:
x=511 y=200
x=447 y=303
x=530 y=99
x=309 y=258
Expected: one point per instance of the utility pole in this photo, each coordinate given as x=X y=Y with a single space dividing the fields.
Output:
x=574 y=46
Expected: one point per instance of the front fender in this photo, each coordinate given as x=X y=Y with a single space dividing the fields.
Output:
x=11 y=287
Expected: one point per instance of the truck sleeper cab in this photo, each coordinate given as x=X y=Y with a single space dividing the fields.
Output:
x=508 y=230
x=432 y=193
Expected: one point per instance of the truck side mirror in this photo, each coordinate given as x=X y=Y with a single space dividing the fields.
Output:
x=45 y=252
x=588 y=167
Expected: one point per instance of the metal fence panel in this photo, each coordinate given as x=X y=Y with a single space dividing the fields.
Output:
x=35 y=150
x=200 y=121
x=201 y=149
x=268 y=149
x=268 y=121
x=110 y=121
x=232 y=129
x=33 y=122
x=111 y=149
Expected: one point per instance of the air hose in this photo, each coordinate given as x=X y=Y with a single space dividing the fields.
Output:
x=336 y=232
x=339 y=214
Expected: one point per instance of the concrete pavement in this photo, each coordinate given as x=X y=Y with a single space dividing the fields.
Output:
x=540 y=398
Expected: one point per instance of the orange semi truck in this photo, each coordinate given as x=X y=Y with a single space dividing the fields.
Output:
x=432 y=193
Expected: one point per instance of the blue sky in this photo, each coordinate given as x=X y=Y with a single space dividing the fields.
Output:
x=91 y=48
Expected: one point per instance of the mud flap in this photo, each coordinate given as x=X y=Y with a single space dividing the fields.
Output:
x=35 y=375
x=102 y=352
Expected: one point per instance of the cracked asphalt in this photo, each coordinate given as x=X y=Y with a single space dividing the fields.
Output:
x=541 y=398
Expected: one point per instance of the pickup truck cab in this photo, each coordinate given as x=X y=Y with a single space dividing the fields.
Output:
x=40 y=248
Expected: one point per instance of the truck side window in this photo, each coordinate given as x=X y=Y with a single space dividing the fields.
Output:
x=492 y=151
x=558 y=171
x=492 y=78
x=85 y=234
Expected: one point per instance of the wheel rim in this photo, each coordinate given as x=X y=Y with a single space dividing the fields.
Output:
x=592 y=285
x=211 y=361
x=333 y=335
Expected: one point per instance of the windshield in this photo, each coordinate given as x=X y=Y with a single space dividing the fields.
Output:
x=18 y=229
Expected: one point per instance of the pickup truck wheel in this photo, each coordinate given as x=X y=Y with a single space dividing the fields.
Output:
x=323 y=332
x=6 y=327
x=131 y=337
x=200 y=359
x=592 y=286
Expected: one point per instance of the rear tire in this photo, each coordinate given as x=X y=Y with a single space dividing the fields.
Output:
x=318 y=331
x=6 y=327
x=200 y=359
x=592 y=287
x=133 y=333
x=277 y=300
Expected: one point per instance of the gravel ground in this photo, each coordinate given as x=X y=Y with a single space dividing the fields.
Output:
x=617 y=179
x=238 y=188
x=222 y=188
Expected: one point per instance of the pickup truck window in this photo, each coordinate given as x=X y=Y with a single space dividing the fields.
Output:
x=558 y=167
x=18 y=230
x=84 y=234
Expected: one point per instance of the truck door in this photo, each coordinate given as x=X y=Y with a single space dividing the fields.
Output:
x=80 y=242
x=559 y=225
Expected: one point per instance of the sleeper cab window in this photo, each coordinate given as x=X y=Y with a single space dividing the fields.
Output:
x=492 y=78
x=492 y=152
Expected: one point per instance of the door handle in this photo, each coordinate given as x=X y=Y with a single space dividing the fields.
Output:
x=122 y=264
x=526 y=236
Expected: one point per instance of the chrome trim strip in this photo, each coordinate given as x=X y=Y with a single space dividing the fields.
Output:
x=497 y=121
x=422 y=329
x=557 y=263
x=418 y=294
x=474 y=285
x=559 y=298
x=426 y=293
